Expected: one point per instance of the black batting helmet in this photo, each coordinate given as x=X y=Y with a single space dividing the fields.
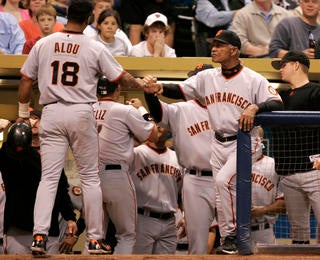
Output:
x=19 y=136
x=106 y=87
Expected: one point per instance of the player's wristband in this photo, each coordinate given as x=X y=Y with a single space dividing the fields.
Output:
x=142 y=110
x=24 y=110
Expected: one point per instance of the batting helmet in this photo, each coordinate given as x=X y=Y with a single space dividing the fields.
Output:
x=106 y=87
x=19 y=136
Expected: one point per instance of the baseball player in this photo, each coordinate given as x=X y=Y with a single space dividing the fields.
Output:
x=233 y=95
x=116 y=142
x=267 y=198
x=157 y=177
x=297 y=160
x=20 y=166
x=191 y=131
x=67 y=65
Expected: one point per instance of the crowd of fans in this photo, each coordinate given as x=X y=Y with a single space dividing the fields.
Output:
x=265 y=27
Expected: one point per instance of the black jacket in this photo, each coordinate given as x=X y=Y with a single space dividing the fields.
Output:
x=21 y=175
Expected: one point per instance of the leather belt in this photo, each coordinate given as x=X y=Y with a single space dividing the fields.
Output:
x=260 y=227
x=200 y=173
x=225 y=139
x=50 y=103
x=113 y=167
x=153 y=214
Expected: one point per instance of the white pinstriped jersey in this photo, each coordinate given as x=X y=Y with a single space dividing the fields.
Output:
x=189 y=121
x=227 y=98
x=63 y=78
x=116 y=136
x=157 y=178
x=265 y=187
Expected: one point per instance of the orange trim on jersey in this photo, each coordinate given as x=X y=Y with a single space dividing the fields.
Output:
x=119 y=76
x=25 y=76
x=199 y=104
x=181 y=89
x=231 y=205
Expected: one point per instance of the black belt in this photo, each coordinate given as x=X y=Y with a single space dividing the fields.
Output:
x=260 y=227
x=225 y=139
x=153 y=214
x=113 y=167
x=202 y=173
x=50 y=103
x=182 y=246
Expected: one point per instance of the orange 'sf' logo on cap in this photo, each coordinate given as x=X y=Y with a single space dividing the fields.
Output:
x=157 y=15
x=219 y=32
x=199 y=66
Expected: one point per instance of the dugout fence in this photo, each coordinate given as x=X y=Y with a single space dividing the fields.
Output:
x=283 y=131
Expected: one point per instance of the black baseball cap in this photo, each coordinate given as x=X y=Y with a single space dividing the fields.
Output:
x=228 y=37
x=198 y=68
x=291 y=56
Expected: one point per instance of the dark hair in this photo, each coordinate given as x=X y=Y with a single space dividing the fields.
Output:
x=79 y=11
x=158 y=25
x=109 y=12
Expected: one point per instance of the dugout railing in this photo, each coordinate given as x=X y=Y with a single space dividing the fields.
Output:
x=269 y=120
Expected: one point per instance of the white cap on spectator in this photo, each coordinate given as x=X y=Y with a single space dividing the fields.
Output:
x=156 y=17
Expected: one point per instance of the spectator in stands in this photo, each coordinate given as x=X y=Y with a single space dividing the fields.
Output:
x=255 y=24
x=293 y=33
x=298 y=12
x=135 y=12
x=92 y=30
x=287 y=4
x=46 y=18
x=297 y=159
x=11 y=36
x=12 y=7
x=155 y=30
x=61 y=7
x=212 y=16
x=31 y=27
x=108 y=24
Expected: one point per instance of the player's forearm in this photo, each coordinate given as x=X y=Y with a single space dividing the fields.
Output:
x=272 y=105
x=154 y=106
x=25 y=88
x=128 y=81
x=276 y=207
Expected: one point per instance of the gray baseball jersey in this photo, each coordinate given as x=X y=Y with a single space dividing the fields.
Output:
x=226 y=99
x=157 y=178
x=121 y=123
x=67 y=66
x=192 y=134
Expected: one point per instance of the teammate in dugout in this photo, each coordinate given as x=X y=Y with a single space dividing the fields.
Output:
x=20 y=166
x=233 y=95
x=116 y=141
x=67 y=66
x=298 y=160
x=190 y=127
x=157 y=176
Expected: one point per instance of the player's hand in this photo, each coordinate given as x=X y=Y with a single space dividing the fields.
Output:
x=72 y=227
x=316 y=164
x=148 y=80
x=246 y=119
x=67 y=244
x=155 y=88
x=181 y=226
x=257 y=211
x=136 y=102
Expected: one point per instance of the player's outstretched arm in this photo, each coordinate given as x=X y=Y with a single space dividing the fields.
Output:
x=127 y=80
